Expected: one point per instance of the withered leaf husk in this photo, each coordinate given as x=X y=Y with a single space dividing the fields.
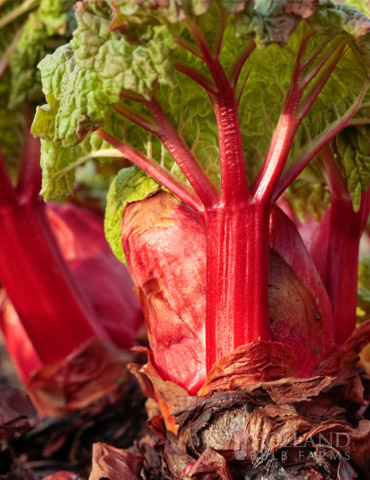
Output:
x=114 y=464
x=256 y=362
x=209 y=466
x=89 y=373
x=274 y=428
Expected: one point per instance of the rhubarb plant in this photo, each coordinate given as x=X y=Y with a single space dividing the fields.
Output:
x=222 y=103
x=49 y=254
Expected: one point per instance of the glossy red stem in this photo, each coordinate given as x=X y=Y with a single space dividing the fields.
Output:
x=54 y=313
x=345 y=230
x=237 y=233
x=342 y=236
x=237 y=278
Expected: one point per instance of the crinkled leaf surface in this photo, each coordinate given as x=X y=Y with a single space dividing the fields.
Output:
x=87 y=77
x=58 y=163
x=134 y=49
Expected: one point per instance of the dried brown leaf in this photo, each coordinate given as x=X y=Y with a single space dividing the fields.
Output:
x=114 y=464
x=346 y=354
x=209 y=466
x=89 y=373
x=169 y=395
x=257 y=361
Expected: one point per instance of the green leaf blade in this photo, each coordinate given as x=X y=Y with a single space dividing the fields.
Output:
x=130 y=185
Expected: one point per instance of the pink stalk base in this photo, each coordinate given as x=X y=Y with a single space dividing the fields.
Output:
x=237 y=278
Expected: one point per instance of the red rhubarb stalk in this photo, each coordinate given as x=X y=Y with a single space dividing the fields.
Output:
x=23 y=354
x=237 y=244
x=237 y=278
x=153 y=169
x=334 y=243
x=344 y=230
x=39 y=283
x=236 y=232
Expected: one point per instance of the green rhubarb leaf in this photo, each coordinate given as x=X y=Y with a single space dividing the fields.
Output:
x=353 y=159
x=118 y=63
x=26 y=81
x=129 y=185
x=173 y=10
x=59 y=163
x=56 y=14
x=82 y=96
x=87 y=77
x=127 y=50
